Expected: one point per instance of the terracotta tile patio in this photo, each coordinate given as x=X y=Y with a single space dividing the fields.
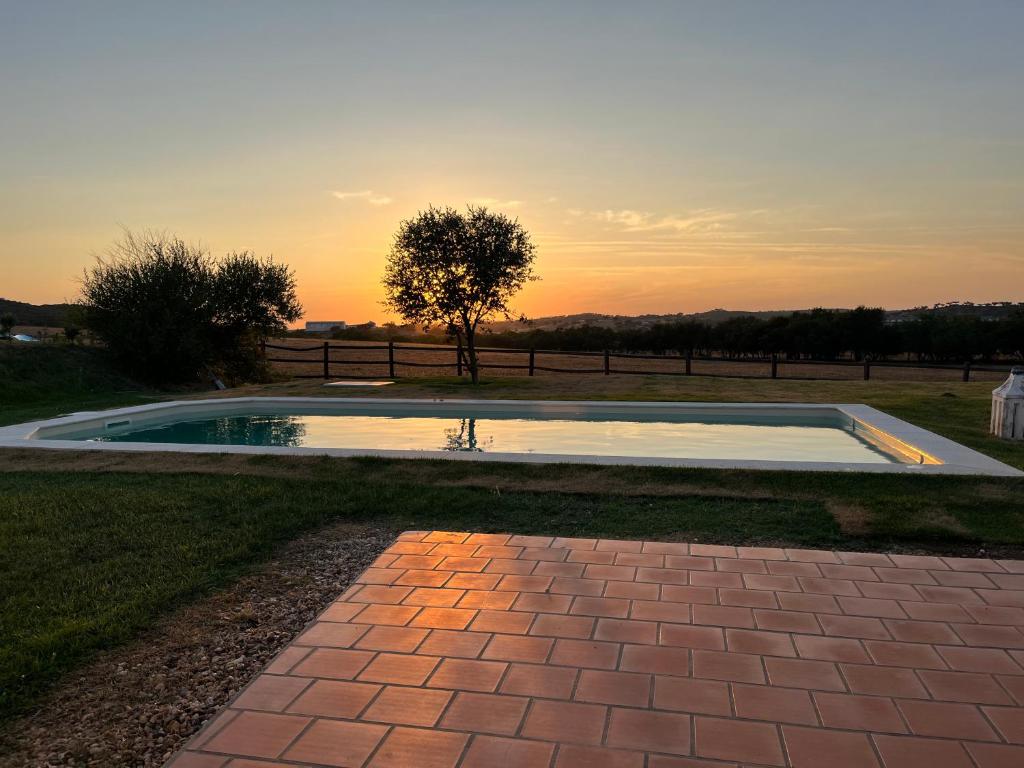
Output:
x=468 y=650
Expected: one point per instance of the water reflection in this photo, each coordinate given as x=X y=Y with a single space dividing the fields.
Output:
x=288 y=431
x=722 y=439
x=464 y=438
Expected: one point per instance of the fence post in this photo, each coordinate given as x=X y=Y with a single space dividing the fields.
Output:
x=327 y=360
x=775 y=366
x=532 y=354
x=391 y=359
x=967 y=370
x=689 y=360
x=458 y=358
x=263 y=347
x=607 y=363
x=867 y=369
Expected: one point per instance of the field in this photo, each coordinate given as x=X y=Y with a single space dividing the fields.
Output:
x=353 y=358
x=96 y=548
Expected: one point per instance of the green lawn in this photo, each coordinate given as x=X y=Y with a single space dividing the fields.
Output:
x=40 y=382
x=91 y=558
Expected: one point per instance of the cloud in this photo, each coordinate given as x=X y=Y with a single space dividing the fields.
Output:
x=493 y=202
x=371 y=197
x=631 y=220
x=703 y=220
x=697 y=221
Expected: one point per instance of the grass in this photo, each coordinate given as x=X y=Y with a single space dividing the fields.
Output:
x=92 y=558
x=40 y=382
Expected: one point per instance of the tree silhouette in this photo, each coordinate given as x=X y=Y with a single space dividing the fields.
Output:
x=453 y=269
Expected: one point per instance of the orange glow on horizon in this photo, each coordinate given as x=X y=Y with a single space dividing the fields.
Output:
x=608 y=262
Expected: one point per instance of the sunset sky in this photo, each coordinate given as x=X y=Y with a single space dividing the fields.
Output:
x=667 y=156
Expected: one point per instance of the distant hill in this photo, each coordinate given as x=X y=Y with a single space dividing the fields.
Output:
x=627 y=321
x=55 y=315
x=712 y=316
x=49 y=315
x=991 y=310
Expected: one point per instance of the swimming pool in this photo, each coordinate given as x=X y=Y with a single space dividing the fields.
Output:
x=764 y=435
x=785 y=437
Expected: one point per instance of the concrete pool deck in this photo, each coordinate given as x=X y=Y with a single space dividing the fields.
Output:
x=470 y=650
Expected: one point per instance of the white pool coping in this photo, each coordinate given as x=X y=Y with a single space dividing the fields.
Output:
x=936 y=455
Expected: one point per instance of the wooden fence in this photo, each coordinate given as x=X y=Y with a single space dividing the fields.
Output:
x=321 y=359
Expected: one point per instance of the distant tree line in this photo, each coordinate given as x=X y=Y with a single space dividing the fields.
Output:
x=820 y=334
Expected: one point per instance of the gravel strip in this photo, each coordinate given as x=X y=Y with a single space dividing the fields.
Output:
x=136 y=706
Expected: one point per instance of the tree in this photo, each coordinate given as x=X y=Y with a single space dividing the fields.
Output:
x=1011 y=334
x=254 y=295
x=74 y=318
x=861 y=330
x=253 y=299
x=170 y=312
x=149 y=301
x=453 y=269
x=7 y=323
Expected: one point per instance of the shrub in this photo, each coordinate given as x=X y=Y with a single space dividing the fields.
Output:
x=171 y=313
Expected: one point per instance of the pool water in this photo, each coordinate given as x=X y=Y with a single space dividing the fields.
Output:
x=772 y=438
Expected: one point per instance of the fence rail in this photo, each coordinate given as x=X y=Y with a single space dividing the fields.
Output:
x=454 y=357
